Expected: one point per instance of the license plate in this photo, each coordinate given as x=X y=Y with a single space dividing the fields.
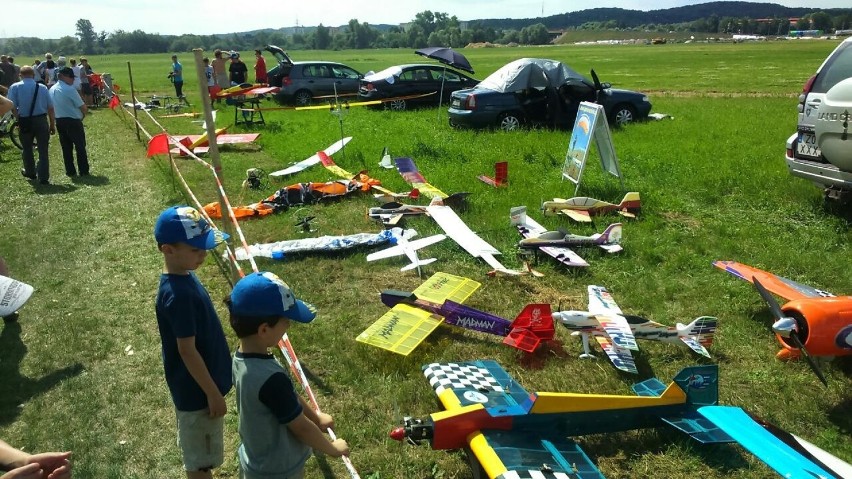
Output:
x=807 y=146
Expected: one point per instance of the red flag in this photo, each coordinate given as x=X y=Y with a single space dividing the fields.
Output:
x=158 y=145
x=113 y=102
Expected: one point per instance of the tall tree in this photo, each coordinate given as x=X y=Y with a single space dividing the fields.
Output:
x=323 y=37
x=86 y=34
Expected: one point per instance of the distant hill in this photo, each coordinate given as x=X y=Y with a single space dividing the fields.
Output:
x=635 y=18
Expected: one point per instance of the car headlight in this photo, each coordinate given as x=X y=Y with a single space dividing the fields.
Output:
x=645 y=98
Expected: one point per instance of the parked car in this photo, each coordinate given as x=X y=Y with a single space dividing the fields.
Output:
x=302 y=82
x=411 y=80
x=804 y=157
x=534 y=91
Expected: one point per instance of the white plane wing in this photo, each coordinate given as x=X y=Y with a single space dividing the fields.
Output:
x=313 y=160
x=611 y=318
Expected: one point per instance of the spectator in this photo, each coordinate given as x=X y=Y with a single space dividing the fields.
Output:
x=211 y=80
x=237 y=69
x=46 y=69
x=46 y=465
x=176 y=75
x=8 y=71
x=37 y=71
x=85 y=86
x=220 y=70
x=195 y=353
x=260 y=75
x=78 y=85
x=70 y=110
x=17 y=68
x=277 y=427
x=33 y=107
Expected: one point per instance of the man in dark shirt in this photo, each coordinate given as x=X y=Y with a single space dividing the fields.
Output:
x=238 y=70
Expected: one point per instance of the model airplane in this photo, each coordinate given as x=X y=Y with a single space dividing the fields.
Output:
x=813 y=323
x=413 y=316
x=608 y=240
x=313 y=160
x=200 y=144
x=582 y=208
x=511 y=433
x=412 y=175
x=617 y=333
x=401 y=246
x=247 y=89
x=529 y=227
x=501 y=175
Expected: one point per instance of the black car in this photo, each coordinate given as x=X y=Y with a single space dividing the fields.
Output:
x=302 y=82
x=533 y=91
x=403 y=82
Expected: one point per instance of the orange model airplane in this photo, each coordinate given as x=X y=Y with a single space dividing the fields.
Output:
x=813 y=323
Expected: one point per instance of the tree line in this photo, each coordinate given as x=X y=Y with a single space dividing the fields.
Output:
x=426 y=29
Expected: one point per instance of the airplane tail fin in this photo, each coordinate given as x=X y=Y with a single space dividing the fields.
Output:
x=418 y=263
x=386 y=161
x=701 y=328
x=518 y=215
x=631 y=203
x=611 y=235
x=700 y=383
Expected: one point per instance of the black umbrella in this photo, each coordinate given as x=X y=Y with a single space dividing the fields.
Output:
x=447 y=56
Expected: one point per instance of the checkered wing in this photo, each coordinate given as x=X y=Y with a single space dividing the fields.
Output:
x=476 y=382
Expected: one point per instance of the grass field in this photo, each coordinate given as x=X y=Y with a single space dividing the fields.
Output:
x=82 y=368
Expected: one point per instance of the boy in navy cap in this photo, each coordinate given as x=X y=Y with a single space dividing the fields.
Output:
x=277 y=427
x=196 y=357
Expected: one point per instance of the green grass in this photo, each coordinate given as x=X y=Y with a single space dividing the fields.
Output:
x=713 y=185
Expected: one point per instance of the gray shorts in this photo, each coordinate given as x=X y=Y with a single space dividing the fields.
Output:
x=200 y=440
x=222 y=79
x=300 y=474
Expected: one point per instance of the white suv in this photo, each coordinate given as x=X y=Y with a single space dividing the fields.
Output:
x=804 y=156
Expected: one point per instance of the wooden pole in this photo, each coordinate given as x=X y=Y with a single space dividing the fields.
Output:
x=215 y=160
x=133 y=100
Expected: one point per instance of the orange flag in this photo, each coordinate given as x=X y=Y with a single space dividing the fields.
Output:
x=113 y=102
x=158 y=145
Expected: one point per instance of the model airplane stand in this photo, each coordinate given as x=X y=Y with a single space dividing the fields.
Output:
x=501 y=175
x=246 y=109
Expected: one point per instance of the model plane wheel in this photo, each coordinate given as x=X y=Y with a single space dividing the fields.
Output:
x=509 y=122
x=587 y=356
x=397 y=105
x=303 y=97
x=475 y=467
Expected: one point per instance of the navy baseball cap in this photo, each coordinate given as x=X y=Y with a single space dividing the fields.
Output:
x=184 y=224
x=265 y=294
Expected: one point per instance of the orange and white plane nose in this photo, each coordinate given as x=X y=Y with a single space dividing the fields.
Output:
x=788 y=354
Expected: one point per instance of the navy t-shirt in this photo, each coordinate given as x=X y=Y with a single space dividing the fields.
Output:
x=184 y=309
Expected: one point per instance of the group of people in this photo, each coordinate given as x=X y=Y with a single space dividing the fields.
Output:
x=277 y=427
x=220 y=73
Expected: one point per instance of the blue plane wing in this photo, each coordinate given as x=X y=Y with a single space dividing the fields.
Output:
x=749 y=434
x=513 y=455
x=698 y=427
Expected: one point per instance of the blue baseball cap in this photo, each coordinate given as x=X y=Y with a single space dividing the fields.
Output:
x=184 y=224
x=265 y=294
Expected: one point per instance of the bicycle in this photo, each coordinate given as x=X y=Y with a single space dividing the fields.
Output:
x=9 y=127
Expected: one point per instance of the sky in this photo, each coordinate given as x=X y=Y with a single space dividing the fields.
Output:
x=57 y=18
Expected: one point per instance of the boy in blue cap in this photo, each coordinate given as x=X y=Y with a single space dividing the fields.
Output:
x=196 y=357
x=277 y=427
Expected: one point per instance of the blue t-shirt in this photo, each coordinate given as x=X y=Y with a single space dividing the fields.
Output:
x=66 y=101
x=177 y=71
x=21 y=94
x=184 y=309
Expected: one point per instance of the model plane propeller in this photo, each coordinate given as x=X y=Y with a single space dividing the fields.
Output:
x=617 y=333
x=812 y=323
x=413 y=316
x=510 y=433
x=582 y=208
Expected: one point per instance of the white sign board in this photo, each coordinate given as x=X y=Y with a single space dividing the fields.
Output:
x=589 y=123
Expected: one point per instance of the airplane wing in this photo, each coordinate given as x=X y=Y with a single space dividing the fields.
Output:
x=785 y=460
x=404 y=247
x=313 y=160
x=529 y=228
x=695 y=345
x=344 y=105
x=402 y=328
x=609 y=315
x=577 y=215
x=620 y=357
x=412 y=175
x=506 y=454
x=611 y=248
x=786 y=288
x=236 y=138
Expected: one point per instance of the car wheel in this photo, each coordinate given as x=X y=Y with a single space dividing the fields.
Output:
x=623 y=114
x=303 y=98
x=397 y=105
x=509 y=122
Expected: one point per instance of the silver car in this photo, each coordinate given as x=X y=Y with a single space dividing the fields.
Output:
x=303 y=82
x=804 y=158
